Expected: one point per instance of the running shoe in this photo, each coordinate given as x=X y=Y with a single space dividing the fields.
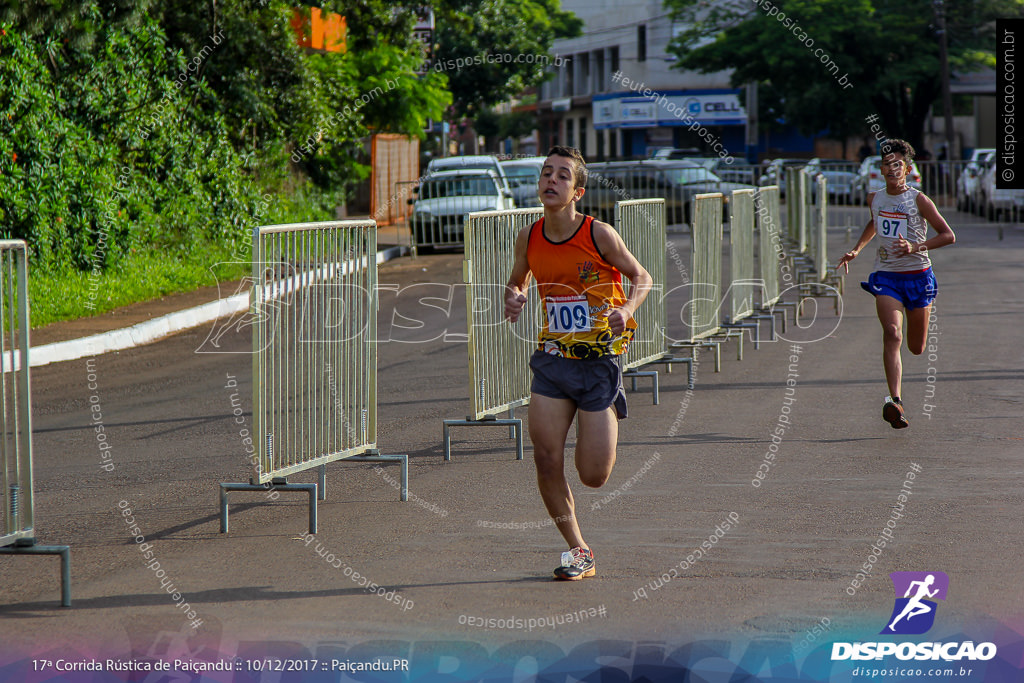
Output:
x=892 y=412
x=576 y=564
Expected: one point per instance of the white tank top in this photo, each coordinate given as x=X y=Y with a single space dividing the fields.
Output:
x=898 y=216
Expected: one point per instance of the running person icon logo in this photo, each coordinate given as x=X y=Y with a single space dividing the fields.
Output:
x=914 y=613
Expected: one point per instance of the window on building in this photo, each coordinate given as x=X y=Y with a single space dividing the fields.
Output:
x=570 y=139
x=583 y=135
x=569 y=67
x=600 y=144
x=641 y=43
x=613 y=144
x=613 y=57
x=585 y=85
x=600 y=78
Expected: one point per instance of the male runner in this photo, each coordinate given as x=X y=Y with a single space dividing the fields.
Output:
x=588 y=323
x=903 y=281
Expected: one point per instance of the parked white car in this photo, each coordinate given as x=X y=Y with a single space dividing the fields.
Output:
x=469 y=162
x=524 y=175
x=869 y=178
x=992 y=201
x=447 y=197
x=967 y=182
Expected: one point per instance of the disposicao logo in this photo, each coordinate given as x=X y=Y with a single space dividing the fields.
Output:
x=913 y=614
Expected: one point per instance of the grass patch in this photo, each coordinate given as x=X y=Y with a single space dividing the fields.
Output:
x=68 y=295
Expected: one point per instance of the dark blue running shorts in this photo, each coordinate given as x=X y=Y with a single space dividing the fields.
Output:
x=593 y=385
x=915 y=290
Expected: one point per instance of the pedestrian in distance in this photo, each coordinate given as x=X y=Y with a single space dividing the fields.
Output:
x=578 y=263
x=902 y=283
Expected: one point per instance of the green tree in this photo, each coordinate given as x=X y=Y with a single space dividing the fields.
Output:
x=473 y=38
x=130 y=126
x=887 y=49
x=322 y=104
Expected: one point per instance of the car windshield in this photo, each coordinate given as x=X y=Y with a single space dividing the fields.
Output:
x=689 y=176
x=473 y=186
x=522 y=175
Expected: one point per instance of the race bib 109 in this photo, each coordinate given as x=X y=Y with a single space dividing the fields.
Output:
x=567 y=314
x=892 y=224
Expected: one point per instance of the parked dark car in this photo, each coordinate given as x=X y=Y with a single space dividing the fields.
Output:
x=775 y=173
x=678 y=182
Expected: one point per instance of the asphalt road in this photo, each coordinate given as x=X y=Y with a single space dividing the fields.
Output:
x=473 y=544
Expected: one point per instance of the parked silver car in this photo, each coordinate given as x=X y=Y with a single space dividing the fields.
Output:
x=775 y=173
x=840 y=176
x=446 y=198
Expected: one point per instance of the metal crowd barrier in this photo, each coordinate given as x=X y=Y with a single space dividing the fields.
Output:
x=798 y=201
x=744 y=286
x=706 y=267
x=641 y=224
x=771 y=247
x=499 y=352
x=771 y=255
x=314 y=309
x=816 y=277
x=819 y=239
x=950 y=183
x=17 y=537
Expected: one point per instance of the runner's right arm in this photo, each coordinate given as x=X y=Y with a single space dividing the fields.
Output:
x=519 y=280
x=865 y=237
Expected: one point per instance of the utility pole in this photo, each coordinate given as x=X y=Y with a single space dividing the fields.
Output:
x=947 y=98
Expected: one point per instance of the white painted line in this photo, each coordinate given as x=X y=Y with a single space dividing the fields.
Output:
x=151 y=330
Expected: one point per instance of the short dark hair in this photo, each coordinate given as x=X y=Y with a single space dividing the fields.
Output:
x=580 y=175
x=897 y=146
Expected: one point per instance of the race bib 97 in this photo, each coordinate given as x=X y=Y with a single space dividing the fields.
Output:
x=891 y=224
x=567 y=314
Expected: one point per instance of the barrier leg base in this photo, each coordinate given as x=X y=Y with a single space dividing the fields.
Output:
x=653 y=374
x=29 y=548
x=668 y=361
x=376 y=456
x=725 y=335
x=755 y=336
x=782 y=306
x=515 y=424
x=275 y=485
x=818 y=290
x=771 y=322
x=703 y=344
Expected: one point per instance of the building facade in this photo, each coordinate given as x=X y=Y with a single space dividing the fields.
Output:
x=616 y=95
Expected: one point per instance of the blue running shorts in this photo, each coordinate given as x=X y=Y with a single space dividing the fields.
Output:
x=915 y=290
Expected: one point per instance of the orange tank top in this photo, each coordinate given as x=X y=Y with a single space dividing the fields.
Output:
x=577 y=287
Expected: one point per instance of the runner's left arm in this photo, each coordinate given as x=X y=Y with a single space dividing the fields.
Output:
x=616 y=253
x=943 y=233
